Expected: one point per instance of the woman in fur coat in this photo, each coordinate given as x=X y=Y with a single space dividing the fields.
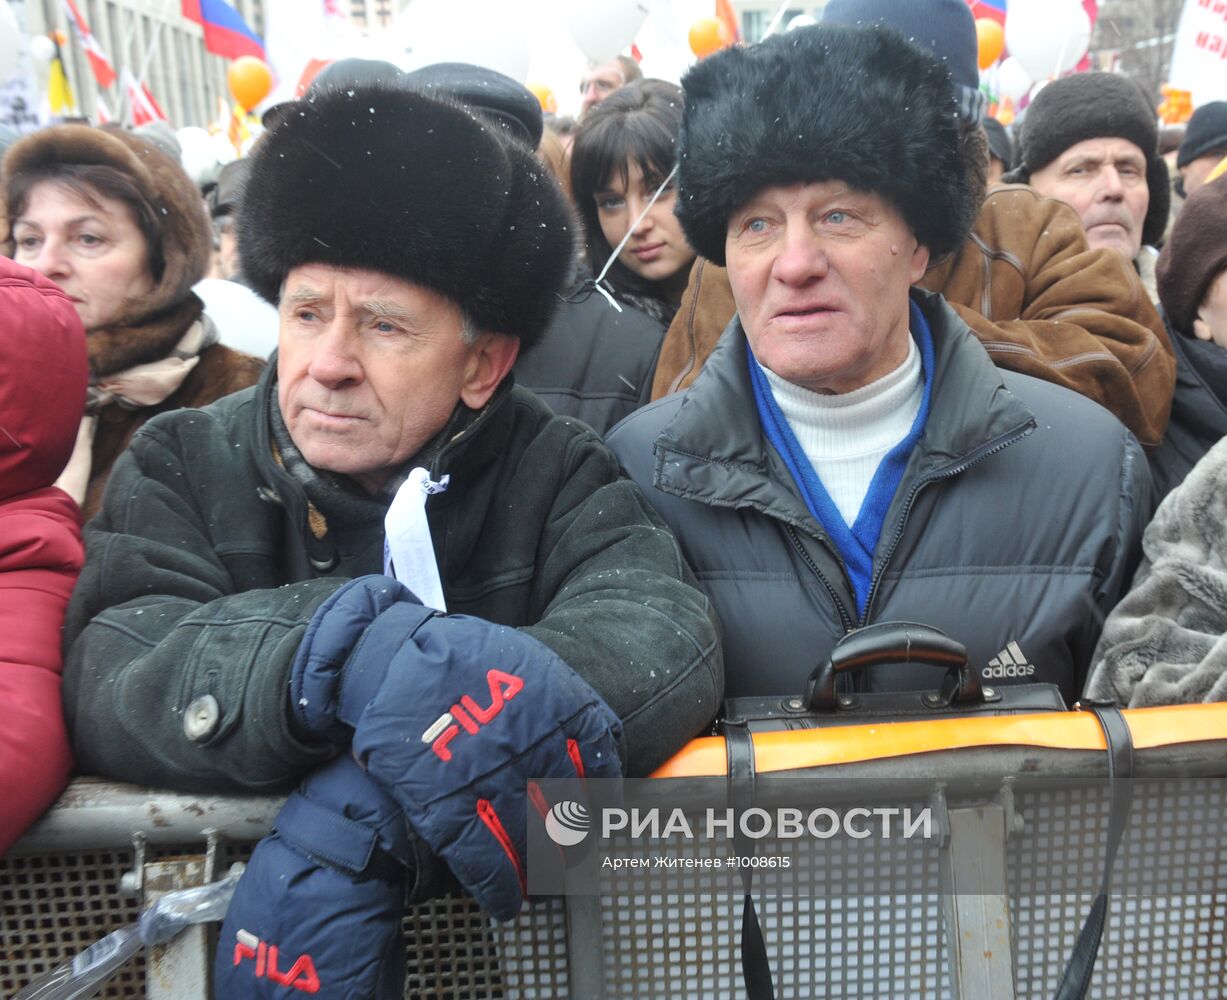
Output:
x=120 y=227
x=1165 y=643
x=1192 y=275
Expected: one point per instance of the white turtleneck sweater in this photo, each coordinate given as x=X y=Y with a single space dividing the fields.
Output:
x=846 y=436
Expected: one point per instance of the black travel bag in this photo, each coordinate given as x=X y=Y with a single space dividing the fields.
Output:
x=828 y=702
x=823 y=703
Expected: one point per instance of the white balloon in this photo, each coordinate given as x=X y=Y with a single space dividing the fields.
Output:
x=1047 y=37
x=801 y=21
x=1012 y=80
x=196 y=152
x=10 y=41
x=603 y=28
x=42 y=49
x=489 y=33
x=222 y=148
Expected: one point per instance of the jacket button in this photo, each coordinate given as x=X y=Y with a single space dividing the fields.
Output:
x=201 y=718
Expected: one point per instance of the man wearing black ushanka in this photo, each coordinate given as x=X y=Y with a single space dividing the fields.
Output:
x=849 y=454
x=267 y=581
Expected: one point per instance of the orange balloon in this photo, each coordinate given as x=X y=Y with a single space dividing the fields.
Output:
x=708 y=35
x=991 y=39
x=545 y=97
x=250 y=81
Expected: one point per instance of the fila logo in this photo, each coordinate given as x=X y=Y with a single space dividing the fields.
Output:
x=469 y=715
x=301 y=976
x=1010 y=662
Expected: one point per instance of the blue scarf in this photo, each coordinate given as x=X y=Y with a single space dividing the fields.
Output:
x=856 y=544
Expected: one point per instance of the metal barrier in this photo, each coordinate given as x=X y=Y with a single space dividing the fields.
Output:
x=1034 y=825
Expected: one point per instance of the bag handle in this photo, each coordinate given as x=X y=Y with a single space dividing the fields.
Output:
x=897 y=642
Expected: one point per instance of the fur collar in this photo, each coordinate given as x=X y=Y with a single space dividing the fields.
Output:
x=117 y=348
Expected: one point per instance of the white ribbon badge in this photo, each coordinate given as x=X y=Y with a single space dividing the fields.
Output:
x=408 y=552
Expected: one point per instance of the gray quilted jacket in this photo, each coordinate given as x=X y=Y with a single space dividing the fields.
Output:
x=1015 y=527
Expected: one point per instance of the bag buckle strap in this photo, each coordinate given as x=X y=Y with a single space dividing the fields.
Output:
x=755 y=966
x=1077 y=977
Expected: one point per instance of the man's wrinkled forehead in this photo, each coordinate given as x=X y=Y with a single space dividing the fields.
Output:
x=370 y=293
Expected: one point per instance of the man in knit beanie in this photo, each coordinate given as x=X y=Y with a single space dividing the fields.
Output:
x=849 y=454
x=1039 y=299
x=1091 y=140
x=1203 y=146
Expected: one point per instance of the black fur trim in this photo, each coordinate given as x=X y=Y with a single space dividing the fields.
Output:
x=858 y=105
x=393 y=181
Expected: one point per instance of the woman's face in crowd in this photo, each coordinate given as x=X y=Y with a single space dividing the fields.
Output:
x=657 y=250
x=1211 y=321
x=93 y=250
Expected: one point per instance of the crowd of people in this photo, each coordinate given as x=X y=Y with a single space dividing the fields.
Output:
x=572 y=430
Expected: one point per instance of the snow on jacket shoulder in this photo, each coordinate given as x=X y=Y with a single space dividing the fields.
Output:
x=1165 y=643
x=1014 y=528
x=203 y=574
x=42 y=396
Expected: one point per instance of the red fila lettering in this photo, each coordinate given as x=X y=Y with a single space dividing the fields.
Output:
x=469 y=715
x=300 y=976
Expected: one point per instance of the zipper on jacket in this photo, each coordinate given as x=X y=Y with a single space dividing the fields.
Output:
x=848 y=622
x=954 y=470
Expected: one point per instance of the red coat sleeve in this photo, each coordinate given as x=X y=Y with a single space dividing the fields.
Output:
x=40 y=556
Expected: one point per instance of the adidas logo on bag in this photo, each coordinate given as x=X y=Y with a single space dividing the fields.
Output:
x=1010 y=662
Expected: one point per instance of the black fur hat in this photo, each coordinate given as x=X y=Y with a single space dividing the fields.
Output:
x=858 y=105
x=1094 y=106
x=391 y=180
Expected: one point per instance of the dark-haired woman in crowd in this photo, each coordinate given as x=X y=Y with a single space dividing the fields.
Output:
x=624 y=150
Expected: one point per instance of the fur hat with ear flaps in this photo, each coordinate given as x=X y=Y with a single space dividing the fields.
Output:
x=394 y=181
x=858 y=105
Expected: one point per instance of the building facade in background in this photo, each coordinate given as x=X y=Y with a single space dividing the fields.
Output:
x=150 y=38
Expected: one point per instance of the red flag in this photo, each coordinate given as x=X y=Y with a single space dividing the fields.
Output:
x=728 y=17
x=144 y=108
x=104 y=72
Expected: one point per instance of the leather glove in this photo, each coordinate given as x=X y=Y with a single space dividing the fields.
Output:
x=454 y=717
x=319 y=908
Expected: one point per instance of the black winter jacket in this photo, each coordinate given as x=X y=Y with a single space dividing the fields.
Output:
x=594 y=362
x=1017 y=521
x=202 y=575
x=1199 y=411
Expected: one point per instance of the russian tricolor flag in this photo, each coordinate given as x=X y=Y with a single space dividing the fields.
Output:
x=225 y=32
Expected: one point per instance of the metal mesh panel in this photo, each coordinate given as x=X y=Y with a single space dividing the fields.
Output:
x=830 y=930
x=52 y=907
x=455 y=951
x=1166 y=933
x=833 y=927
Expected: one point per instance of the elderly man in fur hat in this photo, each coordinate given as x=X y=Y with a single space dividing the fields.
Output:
x=385 y=554
x=849 y=453
x=1041 y=301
